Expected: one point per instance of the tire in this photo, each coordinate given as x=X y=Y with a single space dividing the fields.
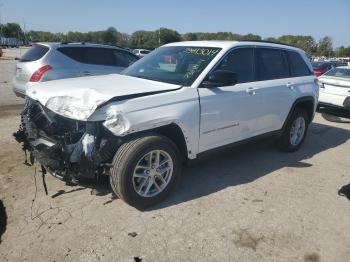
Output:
x=285 y=142
x=122 y=174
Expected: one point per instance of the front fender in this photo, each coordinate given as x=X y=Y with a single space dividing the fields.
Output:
x=180 y=107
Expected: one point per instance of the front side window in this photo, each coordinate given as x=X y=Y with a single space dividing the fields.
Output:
x=179 y=65
x=297 y=65
x=271 y=64
x=339 y=72
x=240 y=62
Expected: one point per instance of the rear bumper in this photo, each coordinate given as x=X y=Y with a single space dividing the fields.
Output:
x=20 y=87
x=335 y=100
x=19 y=92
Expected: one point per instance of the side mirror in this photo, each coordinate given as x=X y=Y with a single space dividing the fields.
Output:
x=220 y=78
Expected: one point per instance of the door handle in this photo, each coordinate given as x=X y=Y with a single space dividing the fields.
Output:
x=251 y=90
x=290 y=85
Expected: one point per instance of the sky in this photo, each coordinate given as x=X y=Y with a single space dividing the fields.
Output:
x=318 y=18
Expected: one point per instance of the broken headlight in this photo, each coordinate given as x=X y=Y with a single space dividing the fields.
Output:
x=70 y=107
x=115 y=122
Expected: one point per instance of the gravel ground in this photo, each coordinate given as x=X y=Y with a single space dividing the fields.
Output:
x=7 y=70
x=249 y=203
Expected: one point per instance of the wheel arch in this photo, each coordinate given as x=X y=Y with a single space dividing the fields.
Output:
x=307 y=103
x=174 y=133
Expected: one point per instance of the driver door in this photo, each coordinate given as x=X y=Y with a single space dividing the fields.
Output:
x=231 y=113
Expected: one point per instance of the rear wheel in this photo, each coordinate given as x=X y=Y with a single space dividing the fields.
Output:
x=145 y=170
x=296 y=129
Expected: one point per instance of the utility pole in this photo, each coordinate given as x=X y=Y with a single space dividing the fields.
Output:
x=1 y=35
x=159 y=36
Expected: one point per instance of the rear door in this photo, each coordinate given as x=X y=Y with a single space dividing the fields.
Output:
x=276 y=87
x=98 y=61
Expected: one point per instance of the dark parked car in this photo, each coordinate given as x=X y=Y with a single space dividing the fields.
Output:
x=321 y=67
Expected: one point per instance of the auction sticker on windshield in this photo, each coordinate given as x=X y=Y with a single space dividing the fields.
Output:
x=202 y=51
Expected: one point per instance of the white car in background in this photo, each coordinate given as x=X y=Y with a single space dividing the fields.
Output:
x=141 y=52
x=335 y=87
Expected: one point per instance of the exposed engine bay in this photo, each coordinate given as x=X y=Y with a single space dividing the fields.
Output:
x=68 y=149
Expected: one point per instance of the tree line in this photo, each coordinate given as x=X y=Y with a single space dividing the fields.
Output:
x=153 y=39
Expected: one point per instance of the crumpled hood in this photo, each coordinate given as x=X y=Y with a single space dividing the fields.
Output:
x=78 y=98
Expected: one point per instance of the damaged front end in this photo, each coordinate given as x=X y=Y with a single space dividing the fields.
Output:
x=68 y=149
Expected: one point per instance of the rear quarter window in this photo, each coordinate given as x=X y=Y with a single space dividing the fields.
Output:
x=297 y=65
x=123 y=58
x=271 y=64
x=34 y=53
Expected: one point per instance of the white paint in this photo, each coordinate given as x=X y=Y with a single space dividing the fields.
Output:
x=230 y=111
x=77 y=98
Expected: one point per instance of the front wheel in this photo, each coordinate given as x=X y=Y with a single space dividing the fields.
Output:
x=145 y=170
x=295 y=132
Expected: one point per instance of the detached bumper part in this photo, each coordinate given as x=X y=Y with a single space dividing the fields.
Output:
x=66 y=148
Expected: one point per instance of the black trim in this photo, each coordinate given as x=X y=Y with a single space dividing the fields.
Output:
x=345 y=105
x=125 y=97
x=267 y=42
x=275 y=134
x=296 y=102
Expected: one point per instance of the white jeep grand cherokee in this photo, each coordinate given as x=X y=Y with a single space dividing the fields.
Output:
x=179 y=101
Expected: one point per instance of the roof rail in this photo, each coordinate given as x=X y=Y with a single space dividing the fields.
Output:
x=265 y=41
x=67 y=42
x=83 y=43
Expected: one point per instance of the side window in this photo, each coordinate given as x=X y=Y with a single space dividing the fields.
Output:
x=271 y=64
x=297 y=65
x=99 y=56
x=123 y=59
x=75 y=53
x=241 y=62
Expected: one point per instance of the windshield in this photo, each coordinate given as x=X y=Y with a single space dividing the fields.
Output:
x=339 y=72
x=179 y=65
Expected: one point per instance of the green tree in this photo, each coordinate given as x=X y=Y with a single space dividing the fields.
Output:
x=110 y=36
x=325 y=46
x=166 y=35
x=250 y=37
x=144 y=39
x=307 y=43
x=12 y=30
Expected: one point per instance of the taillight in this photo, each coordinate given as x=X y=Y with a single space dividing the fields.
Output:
x=38 y=74
x=317 y=72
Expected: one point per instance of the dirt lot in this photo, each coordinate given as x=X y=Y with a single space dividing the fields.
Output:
x=250 y=203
